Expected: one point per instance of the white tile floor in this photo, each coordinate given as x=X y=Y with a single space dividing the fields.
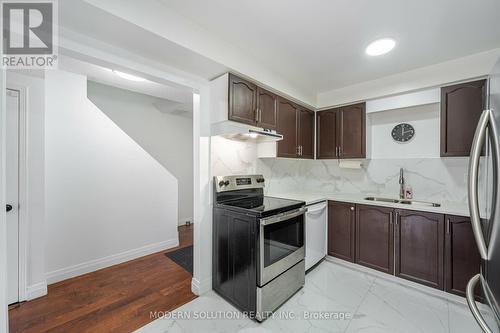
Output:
x=370 y=302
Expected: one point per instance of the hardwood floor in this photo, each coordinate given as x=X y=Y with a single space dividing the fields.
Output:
x=114 y=299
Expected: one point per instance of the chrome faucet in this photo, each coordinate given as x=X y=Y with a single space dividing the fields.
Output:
x=401 y=184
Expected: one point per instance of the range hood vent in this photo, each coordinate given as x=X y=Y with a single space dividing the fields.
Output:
x=241 y=132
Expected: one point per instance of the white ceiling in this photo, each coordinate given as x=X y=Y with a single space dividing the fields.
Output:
x=169 y=99
x=321 y=43
x=80 y=17
x=106 y=76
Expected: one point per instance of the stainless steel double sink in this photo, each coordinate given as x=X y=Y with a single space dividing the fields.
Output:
x=404 y=201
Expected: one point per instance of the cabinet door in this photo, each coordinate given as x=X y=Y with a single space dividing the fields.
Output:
x=306 y=133
x=420 y=247
x=326 y=133
x=462 y=259
x=352 y=136
x=242 y=100
x=268 y=109
x=341 y=224
x=375 y=238
x=287 y=126
x=461 y=107
x=234 y=257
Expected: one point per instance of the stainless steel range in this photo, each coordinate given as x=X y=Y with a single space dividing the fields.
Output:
x=258 y=245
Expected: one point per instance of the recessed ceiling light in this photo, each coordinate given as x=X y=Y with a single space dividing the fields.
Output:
x=129 y=76
x=380 y=46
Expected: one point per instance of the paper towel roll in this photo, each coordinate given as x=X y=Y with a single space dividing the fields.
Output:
x=350 y=164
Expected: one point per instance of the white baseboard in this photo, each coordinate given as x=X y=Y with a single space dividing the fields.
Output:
x=36 y=290
x=94 y=265
x=199 y=288
x=185 y=220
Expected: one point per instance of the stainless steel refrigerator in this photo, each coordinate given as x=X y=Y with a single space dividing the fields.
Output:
x=484 y=206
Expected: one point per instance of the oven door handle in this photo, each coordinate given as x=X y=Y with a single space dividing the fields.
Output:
x=283 y=216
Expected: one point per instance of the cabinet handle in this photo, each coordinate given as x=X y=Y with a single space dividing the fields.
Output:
x=301 y=150
x=352 y=208
x=447 y=226
x=336 y=151
x=391 y=218
x=257 y=115
x=397 y=218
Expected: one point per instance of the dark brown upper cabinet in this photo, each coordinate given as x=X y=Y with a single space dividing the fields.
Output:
x=341 y=230
x=419 y=247
x=267 y=109
x=462 y=259
x=296 y=124
x=375 y=237
x=352 y=132
x=306 y=133
x=250 y=104
x=287 y=126
x=242 y=100
x=461 y=107
x=342 y=132
x=326 y=134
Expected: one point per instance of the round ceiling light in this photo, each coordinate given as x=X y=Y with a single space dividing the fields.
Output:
x=380 y=46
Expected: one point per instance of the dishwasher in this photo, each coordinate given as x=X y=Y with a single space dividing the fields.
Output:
x=316 y=233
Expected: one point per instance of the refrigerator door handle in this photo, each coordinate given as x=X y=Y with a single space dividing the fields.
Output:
x=475 y=155
x=469 y=293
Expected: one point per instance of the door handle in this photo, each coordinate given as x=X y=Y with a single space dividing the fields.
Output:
x=469 y=293
x=475 y=155
x=8 y=208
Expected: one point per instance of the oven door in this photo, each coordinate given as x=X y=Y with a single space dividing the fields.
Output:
x=281 y=244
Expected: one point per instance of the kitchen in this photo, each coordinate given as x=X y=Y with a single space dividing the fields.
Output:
x=403 y=213
x=344 y=174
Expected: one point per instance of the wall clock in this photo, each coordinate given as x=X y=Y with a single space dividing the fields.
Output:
x=403 y=132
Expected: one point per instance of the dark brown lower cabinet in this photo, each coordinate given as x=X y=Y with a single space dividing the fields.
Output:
x=435 y=250
x=341 y=226
x=462 y=259
x=234 y=270
x=375 y=237
x=419 y=251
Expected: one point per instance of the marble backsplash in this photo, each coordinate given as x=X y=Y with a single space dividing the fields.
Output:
x=432 y=179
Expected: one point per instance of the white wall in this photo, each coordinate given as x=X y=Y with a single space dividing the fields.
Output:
x=35 y=165
x=107 y=200
x=425 y=143
x=202 y=247
x=166 y=137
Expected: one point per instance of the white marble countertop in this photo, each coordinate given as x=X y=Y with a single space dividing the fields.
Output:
x=450 y=208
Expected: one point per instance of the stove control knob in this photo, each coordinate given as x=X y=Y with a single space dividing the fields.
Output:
x=221 y=183
x=226 y=183
x=260 y=180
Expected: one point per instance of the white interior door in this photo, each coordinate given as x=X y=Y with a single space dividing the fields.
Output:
x=12 y=194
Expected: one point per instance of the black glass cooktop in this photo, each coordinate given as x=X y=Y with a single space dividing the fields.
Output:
x=263 y=206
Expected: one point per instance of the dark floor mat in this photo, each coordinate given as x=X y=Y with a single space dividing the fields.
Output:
x=183 y=257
